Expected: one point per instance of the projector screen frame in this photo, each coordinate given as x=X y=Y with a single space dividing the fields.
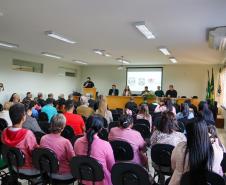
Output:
x=144 y=68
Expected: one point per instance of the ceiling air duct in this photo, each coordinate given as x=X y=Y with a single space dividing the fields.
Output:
x=217 y=38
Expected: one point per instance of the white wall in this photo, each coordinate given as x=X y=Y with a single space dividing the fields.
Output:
x=189 y=80
x=48 y=81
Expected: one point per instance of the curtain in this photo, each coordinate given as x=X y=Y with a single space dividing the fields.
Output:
x=222 y=81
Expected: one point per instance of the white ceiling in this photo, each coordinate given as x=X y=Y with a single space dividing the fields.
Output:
x=180 y=25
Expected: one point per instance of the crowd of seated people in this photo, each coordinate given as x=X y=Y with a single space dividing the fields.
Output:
x=196 y=149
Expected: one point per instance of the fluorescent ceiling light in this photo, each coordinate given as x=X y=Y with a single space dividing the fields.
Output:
x=8 y=45
x=122 y=61
x=80 y=62
x=144 y=30
x=98 y=51
x=107 y=55
x=59 y=37
x=173 y=60
x=165 y=51
x=51 y=55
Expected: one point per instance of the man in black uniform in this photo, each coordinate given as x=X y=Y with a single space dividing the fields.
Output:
x=171 y=93
x=88 y=83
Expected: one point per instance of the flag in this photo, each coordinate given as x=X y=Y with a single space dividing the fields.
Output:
x=219 y=83
x=208 y=87
x=212 y=96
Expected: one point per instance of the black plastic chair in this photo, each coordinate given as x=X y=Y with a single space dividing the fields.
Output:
x=84 y=168
x=3 y=124
x=15 y=160
x=223 y=163
x=129 y=174
x=211 y=179
x=112 y=125
x=156 y=118
x=38 y=136
x=161 y=161
x=46 y=161
x=181 y=127
x=116 y=116
x=44 y=125
x=69 y=134
x=142 y=122
x=123 y=151
x=144 y=130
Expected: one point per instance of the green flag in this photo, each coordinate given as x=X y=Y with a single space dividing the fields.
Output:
x=208 y=87
x=212 y=88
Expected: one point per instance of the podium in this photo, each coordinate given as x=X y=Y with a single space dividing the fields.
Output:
x=91 y=91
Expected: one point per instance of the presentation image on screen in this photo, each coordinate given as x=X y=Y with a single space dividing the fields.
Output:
x=138 y=78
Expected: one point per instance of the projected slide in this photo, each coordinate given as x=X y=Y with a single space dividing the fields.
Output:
x=137 y=78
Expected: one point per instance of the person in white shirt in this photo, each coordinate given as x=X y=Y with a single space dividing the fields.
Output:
x=4 y=112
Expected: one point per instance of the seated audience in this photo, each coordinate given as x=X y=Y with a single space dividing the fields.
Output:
x=133 y=137
x=43 y=122
x=103 y=110
x=113 y=91
x=30 y=122
x=131 y=105
x=186 y=113
x=127 y=91
x=15 y=98
x=196 y=155
x=84 y=108
x=169 y=106
x=21 y=138
x=61 y=146
x=145 y=92
x=161 y=107
x=75 y=121
x=166 y=132
x=144 y=114
x=60 y=104
x=27 y=98
x=49 y=109
x=50 y=95
x=4 y=112
x=206 y=113
x=91 y=145
x=213 y=107
x=159 y=92
x=70 y=97
x=171 y=93
x=195 y=110
x=40 y=101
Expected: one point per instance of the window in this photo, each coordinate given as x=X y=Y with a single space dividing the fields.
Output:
x=21 y=65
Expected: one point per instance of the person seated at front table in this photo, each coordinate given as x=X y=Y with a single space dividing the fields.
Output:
x=171 y=93
x=74 y=120
x=91 y=145
x=113 y=91
x=131 y=105
x=133 y=137
x=88 y=83
x=20 y=138
x=84 y=108
x=159 y=92
x=196 y=155
x=127 y=91
x=60 y=146
x=144 y=114
x=166 y=132
x=103 y=110
x=49 y=109
x=146 y=91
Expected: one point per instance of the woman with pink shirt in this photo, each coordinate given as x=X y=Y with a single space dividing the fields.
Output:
x=134 y=138
x=165 y=105
x=61 y=146
x=91 y=145
x=20 y=138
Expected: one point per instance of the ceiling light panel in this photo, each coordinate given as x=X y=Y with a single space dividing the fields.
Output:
x=144 y=30
x=165 y=51
x=173 y=60
x=80 y=62
x=51 y=55
x=59 y=37
x=8 y=45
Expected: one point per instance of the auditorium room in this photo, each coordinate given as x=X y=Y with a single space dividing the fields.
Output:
x=112 y=92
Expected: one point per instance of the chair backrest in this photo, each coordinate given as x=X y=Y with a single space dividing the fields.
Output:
x=181 y=127
x=112 y=125
x=161 y=154
x=143 y=129
x=45 y=160
x=211 y=179
x=3 y=124
x=115 y=116
x=86 y=168
x=223 y=163
x=142 y=122
x=44 y=125
x=123 y=151
x=129 y=174
x=38 y=136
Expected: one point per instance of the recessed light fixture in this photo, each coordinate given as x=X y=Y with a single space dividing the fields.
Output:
x=51 y=55
x=8 y=45
x=165 y=51
x=122 y=60
x=173 y=60
x=80 y=62
x=98 y=51
x=144 y=30
x=107 y=55
x=59 y=37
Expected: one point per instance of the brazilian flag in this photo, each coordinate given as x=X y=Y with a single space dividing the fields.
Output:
x=208 y=89
x=212 y=88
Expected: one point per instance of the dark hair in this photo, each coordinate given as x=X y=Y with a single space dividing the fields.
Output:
x=88 y=78
x=69 y=104
x=199 y=150
x=206 y=112
x=185 y=110
x=43 y=117
x=11 y=98
x=1 y=107
x=97 y=123
x=125 y=120
x=49 y=101
x=168 y=122
x=169 y=104
x=16 y=113
x=28 y=93
x=29 y=105
x=213 y=134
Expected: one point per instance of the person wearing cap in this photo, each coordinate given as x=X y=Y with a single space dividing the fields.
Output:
x=113 y=91
x=88 y=83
